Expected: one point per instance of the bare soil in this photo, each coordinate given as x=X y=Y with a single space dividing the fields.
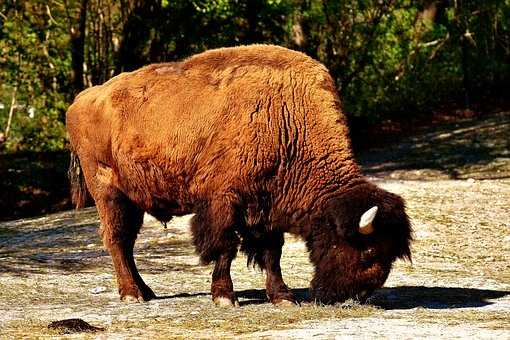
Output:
x=455 y=179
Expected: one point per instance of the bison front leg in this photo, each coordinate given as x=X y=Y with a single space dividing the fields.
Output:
x=265 y=249
x=222 y=289
x=216 y=241
x=277 y=291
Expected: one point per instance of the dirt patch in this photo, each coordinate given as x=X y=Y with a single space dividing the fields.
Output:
x=54 y=268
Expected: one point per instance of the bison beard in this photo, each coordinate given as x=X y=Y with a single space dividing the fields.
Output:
x=252 y=140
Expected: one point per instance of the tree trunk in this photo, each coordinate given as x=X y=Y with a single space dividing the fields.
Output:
x=464 y=35
x=78 y=49
x=466 y=74
x=11 y=113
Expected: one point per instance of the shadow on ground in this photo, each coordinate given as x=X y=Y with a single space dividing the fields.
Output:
x=403 y=297
x=246 y=297
x=69 y=242
x=64 y=241
x=475 y=148
x=408 y=297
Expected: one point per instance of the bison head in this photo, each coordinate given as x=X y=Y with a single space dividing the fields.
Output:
x=355 y=241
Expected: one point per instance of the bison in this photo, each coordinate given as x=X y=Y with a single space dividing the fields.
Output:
x=251 y=140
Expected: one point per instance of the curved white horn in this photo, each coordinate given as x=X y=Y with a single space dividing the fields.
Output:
x=365 y=222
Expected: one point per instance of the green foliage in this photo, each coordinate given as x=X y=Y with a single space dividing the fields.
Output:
x=397 y=57
x=33 y=70
x=389 y=57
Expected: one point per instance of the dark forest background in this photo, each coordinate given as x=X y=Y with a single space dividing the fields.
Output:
x=394 y=61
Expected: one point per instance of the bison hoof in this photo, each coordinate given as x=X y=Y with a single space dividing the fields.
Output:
x=225 y=302
x=137 y=295
x=131 y=299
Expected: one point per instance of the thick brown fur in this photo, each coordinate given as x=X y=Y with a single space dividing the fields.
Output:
x=252 y=140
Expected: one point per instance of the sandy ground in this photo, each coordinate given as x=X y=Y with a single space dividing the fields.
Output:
x=458 y=286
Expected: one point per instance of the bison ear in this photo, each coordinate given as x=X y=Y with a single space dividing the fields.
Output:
x=365 y=223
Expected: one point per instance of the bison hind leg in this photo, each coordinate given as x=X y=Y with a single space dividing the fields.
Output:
x=121 y=221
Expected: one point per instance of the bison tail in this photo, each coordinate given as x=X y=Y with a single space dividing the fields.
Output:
x=79 y=192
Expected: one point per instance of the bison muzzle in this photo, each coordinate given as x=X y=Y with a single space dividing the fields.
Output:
x=253 y=141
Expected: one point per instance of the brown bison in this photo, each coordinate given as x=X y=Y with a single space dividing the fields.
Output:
x=253 y=141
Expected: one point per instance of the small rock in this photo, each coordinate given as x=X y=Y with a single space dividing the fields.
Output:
x=98 y=290
x=470 y=180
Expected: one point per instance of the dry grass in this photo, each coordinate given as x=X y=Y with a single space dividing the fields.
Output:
x=202 y=319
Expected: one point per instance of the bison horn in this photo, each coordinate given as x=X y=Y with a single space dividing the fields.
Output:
x=365 y=222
